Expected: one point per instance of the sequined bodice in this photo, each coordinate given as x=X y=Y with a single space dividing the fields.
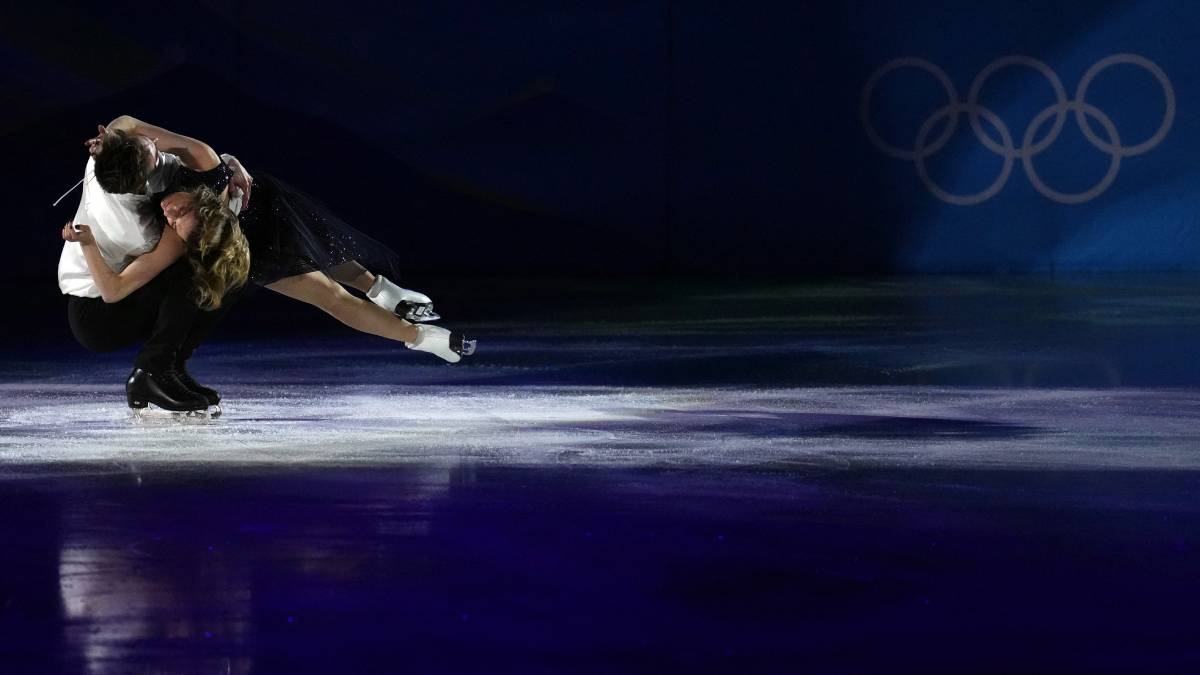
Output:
x=215 y=178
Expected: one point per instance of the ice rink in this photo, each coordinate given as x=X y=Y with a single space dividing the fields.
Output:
x=705 y=480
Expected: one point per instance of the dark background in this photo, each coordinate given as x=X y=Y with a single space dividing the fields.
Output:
x=643 y=139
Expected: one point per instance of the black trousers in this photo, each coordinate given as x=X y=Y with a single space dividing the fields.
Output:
x=162 y=315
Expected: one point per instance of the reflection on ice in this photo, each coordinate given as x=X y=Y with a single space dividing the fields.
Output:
x=160 y=585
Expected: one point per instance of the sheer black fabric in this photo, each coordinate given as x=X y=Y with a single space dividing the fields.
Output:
x=293 y=233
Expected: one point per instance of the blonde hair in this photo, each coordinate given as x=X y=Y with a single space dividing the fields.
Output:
x=217 y=250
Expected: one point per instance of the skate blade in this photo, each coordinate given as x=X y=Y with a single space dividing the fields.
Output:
x=151 y=415
x=465 y=348
x=417 y=313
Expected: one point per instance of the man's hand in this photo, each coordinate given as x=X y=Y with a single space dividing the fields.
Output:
x=241 y=179
x=78 y=233
x=95 y=144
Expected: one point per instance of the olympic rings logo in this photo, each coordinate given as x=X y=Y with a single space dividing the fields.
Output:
x=923 y=147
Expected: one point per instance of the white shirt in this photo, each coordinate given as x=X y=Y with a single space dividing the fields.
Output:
x=121 y=231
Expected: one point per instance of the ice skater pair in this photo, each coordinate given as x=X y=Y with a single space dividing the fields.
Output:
x=167 y=238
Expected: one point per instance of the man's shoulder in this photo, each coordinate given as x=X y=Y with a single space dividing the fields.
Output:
x=163 y=172
x=166 y=161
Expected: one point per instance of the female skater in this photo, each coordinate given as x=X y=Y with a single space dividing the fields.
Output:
x=293 y=244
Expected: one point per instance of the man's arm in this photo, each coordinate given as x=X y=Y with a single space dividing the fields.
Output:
x=193 y=153
x=116 y=287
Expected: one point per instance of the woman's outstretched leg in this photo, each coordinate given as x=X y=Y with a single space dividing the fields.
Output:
x=412 y=305
x=353 y=275
x=317 y=289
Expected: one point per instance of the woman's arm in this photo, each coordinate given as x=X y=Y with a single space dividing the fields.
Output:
x=193 y=153
x=115 y=287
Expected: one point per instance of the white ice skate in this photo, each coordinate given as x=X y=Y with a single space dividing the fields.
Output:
x=442 y=343
x=409 y=304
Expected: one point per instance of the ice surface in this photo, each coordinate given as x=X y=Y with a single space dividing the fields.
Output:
x=905 y=373
x=609 y=426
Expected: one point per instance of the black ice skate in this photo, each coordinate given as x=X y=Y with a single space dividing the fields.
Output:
x=408 y=304
x=210 y=395
x=164 y=391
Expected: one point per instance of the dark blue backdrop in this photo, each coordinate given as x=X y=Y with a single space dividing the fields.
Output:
x=640 y=137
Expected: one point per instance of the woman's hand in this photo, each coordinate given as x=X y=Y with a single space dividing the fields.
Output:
x=95 y=144
x=241 y=179
x=79 y=233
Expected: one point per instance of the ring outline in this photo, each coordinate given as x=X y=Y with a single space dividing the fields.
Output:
x=1028 y=148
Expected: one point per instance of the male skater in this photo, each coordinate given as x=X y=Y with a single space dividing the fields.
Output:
x=126 y=278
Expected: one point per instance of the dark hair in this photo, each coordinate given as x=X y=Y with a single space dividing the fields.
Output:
x=121 y=165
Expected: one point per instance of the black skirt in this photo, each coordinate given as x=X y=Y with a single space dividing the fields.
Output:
x=292 y=233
